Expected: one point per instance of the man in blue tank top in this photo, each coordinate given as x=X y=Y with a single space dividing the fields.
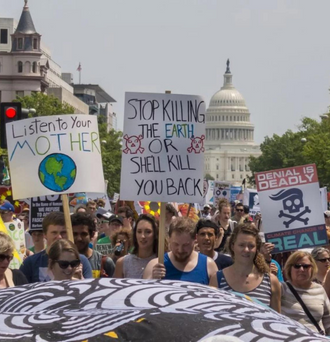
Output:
x=182 y=262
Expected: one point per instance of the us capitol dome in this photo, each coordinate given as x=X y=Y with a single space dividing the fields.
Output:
x=229 y=135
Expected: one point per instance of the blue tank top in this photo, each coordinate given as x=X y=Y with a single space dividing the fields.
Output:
x=197 y=275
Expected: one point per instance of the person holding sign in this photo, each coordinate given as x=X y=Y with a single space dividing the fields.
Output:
x=182 y=262
x=249 y=273
x=145 y=240
x=8 y=277
x=63 y=259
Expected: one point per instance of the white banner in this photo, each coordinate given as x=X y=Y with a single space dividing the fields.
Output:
x=163 y=148
x=251 y=198
x=221 y=190
x=54 y=155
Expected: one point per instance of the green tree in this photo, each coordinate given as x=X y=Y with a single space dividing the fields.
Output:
x=111 y=156
x=310 y=144
x=45 y=105
x=208 y=177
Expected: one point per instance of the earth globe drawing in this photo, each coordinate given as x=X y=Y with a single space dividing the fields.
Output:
x=57 y=172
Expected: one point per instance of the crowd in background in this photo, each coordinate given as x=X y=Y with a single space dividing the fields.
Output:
x=224 y=249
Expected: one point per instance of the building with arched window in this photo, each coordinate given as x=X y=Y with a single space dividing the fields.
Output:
x=229 y=139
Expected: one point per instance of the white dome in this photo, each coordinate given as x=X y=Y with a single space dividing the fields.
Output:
x=227 y=97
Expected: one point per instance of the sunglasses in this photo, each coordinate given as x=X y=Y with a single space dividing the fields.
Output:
x=241 y=210
x=323 y=260
x=4 y=256
x=65 y=264
x=298 y=266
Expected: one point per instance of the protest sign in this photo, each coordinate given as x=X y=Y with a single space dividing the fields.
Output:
x=221 y=190
x=251 y=198
x=209 y=194
x=15 y=229
x=54 y=155
x=235 y=191
x=41 y=207
x=163 y=148
x=291 y=208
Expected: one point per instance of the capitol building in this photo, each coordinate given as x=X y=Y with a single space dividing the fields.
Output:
x=229 y=135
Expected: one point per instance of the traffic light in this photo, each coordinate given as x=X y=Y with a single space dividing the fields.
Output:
x=9 y=112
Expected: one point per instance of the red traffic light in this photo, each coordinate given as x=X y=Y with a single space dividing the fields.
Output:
x=10 y=112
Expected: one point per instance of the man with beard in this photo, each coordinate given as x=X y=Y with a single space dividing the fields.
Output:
x=182 y=262
x=83 y=227
x=206 y=234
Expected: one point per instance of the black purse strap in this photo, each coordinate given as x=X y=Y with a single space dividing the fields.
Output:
x=307 y=312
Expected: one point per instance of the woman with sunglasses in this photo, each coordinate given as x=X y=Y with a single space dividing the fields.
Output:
x=63 y=259
x=8 y=277
x=322 y=258
x=300 y=270
x=249 y=274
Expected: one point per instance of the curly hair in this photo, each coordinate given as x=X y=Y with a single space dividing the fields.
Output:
x=84 y=219
x=123 y=231
x=248 y=229
x=223 y=203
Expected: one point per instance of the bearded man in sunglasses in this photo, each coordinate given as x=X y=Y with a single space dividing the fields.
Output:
x=35 y=267
x=239 y=212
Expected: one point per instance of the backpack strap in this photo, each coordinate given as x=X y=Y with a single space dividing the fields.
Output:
x=9 y=277
x=303 y=305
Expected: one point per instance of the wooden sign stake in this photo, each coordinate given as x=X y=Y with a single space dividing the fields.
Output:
x=67 y=217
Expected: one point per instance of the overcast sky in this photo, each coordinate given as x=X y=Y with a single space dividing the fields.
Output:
x=279 y=50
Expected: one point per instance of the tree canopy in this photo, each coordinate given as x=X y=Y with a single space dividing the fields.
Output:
x=310 y=144
x=45 y=105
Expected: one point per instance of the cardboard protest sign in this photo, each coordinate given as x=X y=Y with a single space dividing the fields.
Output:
x=54 y=155
x=41 y=207
x=291 y=208
x=221 y=190
x=163 y=148
x=15 y=230
x=251 y=198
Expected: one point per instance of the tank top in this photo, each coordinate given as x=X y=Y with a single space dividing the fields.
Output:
x=197 y=275
x=133 y=266
x=262 y=292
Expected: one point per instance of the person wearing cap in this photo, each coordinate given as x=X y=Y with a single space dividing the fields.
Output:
x=128 y=216
x=115 y=224
x=37 y=239
x=206 y=234
x=206 y=212
x=7 y=212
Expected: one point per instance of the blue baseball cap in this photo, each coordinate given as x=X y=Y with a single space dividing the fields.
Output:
x=6 y=206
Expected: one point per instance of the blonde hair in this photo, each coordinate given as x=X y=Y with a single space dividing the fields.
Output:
x=294 y=258
x=6 y=243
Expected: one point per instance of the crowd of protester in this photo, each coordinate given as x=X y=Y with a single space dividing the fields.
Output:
x=224 y=249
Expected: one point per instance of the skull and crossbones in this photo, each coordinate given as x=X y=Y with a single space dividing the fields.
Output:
x=133 y=144
x=293 y=203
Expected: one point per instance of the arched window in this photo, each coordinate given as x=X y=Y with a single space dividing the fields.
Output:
x=34 y=67
x=27 y=67
x=20 y=66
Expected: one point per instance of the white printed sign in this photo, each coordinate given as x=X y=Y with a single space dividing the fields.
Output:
x=251 y=198
x=291 y=208
x=221 y=190
x=15 y=230
x=54 y=155
x=163 y=148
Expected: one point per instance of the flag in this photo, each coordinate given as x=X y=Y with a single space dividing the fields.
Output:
x=79 y=67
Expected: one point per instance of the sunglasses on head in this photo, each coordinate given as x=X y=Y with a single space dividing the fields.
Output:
x=304 y=266
x=65 y=264
x=323 y=259
x=4 y=256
